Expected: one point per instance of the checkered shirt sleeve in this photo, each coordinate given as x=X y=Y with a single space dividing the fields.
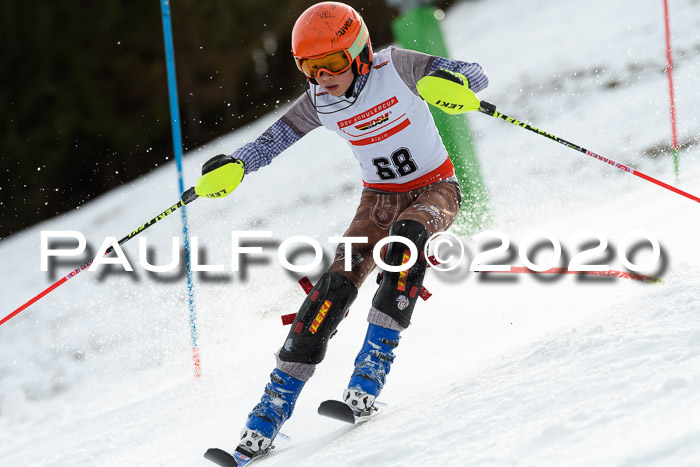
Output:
x=269 y=145
x=477 y=77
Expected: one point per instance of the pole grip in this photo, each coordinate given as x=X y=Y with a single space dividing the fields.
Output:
x=487 y=108
x=189 y=195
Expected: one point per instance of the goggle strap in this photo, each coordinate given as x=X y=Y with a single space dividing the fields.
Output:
x=354 y=50
x=359 y=44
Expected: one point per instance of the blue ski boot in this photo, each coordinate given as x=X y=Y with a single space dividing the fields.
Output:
x=266 y=419
x=371 y=367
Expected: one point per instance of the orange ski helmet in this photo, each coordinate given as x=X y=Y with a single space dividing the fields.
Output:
x=330 y=27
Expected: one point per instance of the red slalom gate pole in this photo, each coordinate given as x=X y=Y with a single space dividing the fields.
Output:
x=490 y=109
x=669 y=71
x=187 y=197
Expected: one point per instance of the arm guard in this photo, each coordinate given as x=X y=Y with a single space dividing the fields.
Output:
x=448 y=91
x=220 y=176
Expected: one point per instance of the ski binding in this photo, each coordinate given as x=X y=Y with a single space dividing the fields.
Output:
x=238 y=459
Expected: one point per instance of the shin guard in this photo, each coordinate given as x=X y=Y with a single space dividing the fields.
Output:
x=398 y=291
x=319 y=316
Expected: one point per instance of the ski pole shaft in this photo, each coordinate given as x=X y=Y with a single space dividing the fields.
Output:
x=187 y=197
x=609 y=273
x=490 y=109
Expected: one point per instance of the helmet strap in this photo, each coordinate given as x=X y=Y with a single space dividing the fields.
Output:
x=363 y=62
x=351 y=89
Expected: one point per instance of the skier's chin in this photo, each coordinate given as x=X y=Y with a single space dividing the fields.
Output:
x=333 y=90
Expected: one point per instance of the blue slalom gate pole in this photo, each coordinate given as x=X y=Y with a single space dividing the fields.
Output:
x=177 y=147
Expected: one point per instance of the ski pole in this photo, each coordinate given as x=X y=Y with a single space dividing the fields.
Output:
x=609 y=273
x=187 y=197
x=490 y=109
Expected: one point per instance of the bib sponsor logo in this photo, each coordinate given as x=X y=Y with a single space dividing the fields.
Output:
x=381 y=136
x=372 y=123
x=376 y=67
x=369 y=113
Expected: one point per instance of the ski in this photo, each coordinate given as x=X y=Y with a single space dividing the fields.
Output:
x=238 y=459
x=224 y=459
x=339 y=410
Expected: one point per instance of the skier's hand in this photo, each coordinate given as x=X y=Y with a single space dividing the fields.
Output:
x=220 y=176
x=448 y=91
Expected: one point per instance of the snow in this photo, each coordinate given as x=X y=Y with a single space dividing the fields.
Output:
x=494 y=370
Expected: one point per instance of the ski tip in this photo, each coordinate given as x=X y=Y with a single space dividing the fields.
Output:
x=220 y=457
x=337 y=410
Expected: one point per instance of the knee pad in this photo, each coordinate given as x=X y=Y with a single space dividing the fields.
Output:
x=319 y=316
x=398 y=291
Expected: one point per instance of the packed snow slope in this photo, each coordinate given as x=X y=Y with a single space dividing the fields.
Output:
x=494 y=370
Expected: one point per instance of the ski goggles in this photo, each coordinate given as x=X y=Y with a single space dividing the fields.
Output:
x=334 y=64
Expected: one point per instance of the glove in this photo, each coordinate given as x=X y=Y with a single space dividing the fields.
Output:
x=220 y=176
x=448 y=91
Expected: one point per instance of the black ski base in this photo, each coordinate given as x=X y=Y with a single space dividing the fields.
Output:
x=240 y=458
x=337 y=410
x=237 y=459
x=220 y=457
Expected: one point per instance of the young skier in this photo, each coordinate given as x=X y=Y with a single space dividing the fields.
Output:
x=372 y=101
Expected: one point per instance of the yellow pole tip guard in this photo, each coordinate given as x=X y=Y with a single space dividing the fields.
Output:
x=221 y=181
